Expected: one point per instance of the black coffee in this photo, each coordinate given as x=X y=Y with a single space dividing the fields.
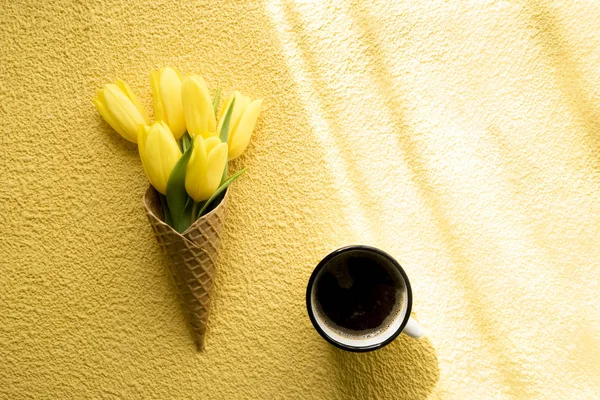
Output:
x=358 y=291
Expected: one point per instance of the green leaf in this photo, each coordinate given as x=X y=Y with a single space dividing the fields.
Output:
x=195 y=209
x=221 y=188
x=216 y=101
x=177 y=197
x=223 y=179
x=185 y=220
x=217 y=200
x=224 y=134
x=165 y=207
x=185 y=141
x=225 y=172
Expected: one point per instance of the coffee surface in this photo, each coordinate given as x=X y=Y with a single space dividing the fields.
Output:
x=357 y=293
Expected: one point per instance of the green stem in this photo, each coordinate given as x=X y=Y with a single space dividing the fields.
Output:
x=194 y=211
x=165 y=207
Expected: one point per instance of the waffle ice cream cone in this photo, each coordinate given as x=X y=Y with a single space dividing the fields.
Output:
x=192 y=257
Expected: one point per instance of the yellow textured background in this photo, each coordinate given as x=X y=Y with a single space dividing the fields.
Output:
x=461 y=137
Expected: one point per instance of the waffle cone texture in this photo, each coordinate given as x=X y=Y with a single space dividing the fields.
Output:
x=192 y=256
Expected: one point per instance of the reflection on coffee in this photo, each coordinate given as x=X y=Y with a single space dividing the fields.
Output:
x=359 y=293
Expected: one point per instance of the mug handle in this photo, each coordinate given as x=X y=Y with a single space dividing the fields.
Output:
x=414 y=329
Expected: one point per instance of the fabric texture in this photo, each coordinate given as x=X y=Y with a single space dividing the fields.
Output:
x=461 y=137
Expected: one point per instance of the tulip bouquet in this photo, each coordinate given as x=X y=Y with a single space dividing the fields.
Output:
x=185 y=155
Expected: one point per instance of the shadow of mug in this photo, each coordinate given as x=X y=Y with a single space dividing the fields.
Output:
x=388 y=365
x=407 y=368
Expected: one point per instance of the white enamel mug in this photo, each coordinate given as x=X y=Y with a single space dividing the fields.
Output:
x=398 y=321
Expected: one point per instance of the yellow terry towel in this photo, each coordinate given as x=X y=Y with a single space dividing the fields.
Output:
x=461 y=137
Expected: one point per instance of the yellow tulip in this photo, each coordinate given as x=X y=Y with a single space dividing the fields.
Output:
x=166 y=89
x=205 y=168
x=197 y=107
x=121 y=109
x=243 y=118
x=159 y=153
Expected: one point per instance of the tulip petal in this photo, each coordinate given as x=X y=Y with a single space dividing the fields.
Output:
x=161 y=154
x=211 y=143
x=228 y=101
x=215 y=164
x=197 y=106
x=123 y=111
x=170 y=93
x=245 y=100
x=155 y=163
x=240 y=137
x=141 y=139
x=108 y=117
x=195 y=174
x=241 y=103
x=237 y=110
x=136 y=102
x=159 y=111
x=220 y=190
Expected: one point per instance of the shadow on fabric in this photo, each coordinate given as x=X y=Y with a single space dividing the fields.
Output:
x=406 y=367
